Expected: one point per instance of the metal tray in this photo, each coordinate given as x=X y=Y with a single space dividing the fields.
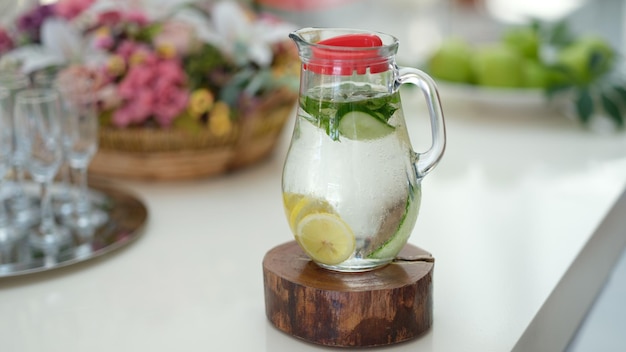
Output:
x=127 y=216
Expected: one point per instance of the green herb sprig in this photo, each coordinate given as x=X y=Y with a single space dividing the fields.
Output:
x=587 y=70
x=326 y=112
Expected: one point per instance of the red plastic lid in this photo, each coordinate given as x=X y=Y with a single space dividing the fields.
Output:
x=349 y=56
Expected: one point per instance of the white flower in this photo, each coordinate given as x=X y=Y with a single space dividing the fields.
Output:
x=61 y=44
x=243 y=38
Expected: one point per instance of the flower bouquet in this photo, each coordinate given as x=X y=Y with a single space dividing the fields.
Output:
x=184 y=89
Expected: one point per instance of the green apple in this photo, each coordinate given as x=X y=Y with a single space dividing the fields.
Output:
x=577 y=58
x=524 y=40
x=497 y=65
x=451 y=61
x=557 y=78
x=536 y=75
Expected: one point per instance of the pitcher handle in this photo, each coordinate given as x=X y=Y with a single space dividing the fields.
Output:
x=426 y=161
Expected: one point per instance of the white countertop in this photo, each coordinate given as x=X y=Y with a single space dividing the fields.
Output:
x=523 y=216
x=513 y=216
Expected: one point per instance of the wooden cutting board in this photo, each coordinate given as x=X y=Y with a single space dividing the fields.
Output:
x=373 y=308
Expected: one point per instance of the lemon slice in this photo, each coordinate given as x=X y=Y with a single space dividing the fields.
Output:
x=358 y=125
x=325 y=238
x=290 y=200
x=304 y=206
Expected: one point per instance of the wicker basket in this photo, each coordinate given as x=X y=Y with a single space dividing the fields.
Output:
x=159 y=155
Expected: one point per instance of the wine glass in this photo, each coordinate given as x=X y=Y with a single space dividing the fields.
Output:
x=9 y=234
x=22 y=206
x=80 y=143
x=62 y=195
x=37 y=117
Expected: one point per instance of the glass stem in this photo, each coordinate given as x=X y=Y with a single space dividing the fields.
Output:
x=5 y=249
x=82 y=202
x=65 y=179
x=4 y=217
x=18 y=170
x=47 y=225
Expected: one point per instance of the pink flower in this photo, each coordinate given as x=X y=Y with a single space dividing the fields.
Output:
x=170 y=72
x=141 y=105
x=302 y=5
x=109 y=18
x=103 y=38
x=177 y=35
x=136 y=109
x=143 y=55
x=112 y=18
x=169 y=102
x=155 y=88
x=104 y=42
x=71 y=8
x=136 y=53
x=81 y=83
x=136 y=17
x=137 y=78
x=6 y=43
x=108 y=97
x=126 y=48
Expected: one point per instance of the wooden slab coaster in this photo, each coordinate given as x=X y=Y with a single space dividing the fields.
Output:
x=373 y=308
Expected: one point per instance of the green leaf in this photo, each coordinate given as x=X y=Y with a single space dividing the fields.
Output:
x=230 y=92
x=258 y=82
x=145 y=34
x=535 y=24
x=106 y=118
x=561 y=74
x=560 y=34
x=621 y=91
x=199 y=66
x=612 y=109
x=553 y=90
x=186 y=122
x=598 y=63
x=584 y=105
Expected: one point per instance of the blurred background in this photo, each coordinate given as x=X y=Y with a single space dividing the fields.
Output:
x=421 y=25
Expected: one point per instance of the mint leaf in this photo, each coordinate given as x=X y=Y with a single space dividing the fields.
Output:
x=326 y=113
x=612 y=109
x=584 y=105
x=621 y=91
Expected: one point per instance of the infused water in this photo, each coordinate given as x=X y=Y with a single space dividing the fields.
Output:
x=350 y=190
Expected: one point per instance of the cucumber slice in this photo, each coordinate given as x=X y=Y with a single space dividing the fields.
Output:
x=393 y=246
x=361 y=126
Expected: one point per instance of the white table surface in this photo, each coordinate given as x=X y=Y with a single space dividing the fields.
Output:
x=521 y=216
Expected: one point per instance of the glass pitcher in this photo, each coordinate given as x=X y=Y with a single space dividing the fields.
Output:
x=351 y=180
